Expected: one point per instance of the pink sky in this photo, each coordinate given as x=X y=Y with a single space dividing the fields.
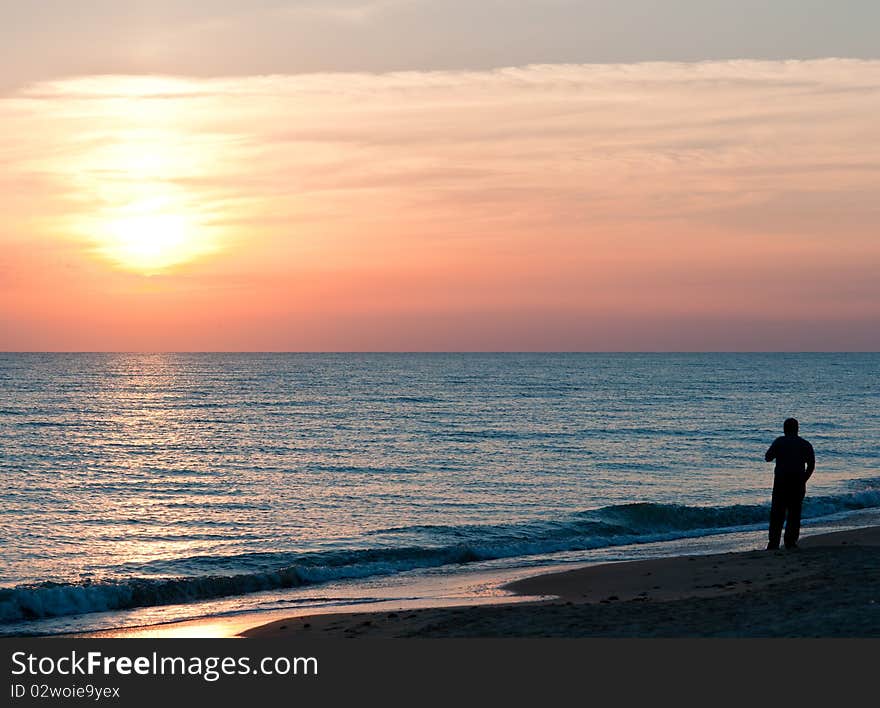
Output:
x=660 y=206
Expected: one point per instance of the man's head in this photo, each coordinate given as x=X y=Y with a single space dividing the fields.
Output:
x=790 y=427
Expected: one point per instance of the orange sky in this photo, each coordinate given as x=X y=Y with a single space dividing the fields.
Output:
x=720 y=205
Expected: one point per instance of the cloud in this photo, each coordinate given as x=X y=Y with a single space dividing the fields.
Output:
x=678 y=140
x=660 y=190
x=209 y=38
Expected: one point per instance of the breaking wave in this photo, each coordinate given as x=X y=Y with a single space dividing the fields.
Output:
x=407 y=548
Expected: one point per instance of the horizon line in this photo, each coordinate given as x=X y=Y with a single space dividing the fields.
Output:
x=444 y=351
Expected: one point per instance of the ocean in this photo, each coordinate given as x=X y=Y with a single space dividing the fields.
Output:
x=140 y=488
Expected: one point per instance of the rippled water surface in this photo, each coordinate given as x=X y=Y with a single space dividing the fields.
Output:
x=144 y=480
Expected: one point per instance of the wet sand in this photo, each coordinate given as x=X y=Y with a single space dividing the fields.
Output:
x=829 y=587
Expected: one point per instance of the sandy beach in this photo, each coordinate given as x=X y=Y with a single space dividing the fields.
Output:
x=829 y=587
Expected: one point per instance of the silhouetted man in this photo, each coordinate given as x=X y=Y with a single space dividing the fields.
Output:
x=795 y=462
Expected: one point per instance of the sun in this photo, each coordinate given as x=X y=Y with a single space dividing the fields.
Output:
x=149 y=236
x=138 y=206
x=149 y=243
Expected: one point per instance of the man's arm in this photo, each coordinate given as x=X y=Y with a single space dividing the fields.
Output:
x=811 y=461
x=771 y=453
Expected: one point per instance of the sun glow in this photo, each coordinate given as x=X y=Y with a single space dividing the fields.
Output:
x=139 y=205
x=149 y=242
x=149 y=235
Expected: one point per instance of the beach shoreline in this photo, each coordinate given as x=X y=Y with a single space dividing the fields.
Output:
x=829 y=587
x=677 y=574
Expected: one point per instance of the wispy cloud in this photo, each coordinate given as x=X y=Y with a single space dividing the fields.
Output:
x=669 y=190
x=209 y=38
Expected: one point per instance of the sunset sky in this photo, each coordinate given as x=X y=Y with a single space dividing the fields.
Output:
x=408 y=175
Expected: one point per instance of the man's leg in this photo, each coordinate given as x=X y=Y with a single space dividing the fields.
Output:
x=777 y=517
x=793 y=524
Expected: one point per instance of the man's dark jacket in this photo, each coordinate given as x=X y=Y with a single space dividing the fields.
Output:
x=794 y=457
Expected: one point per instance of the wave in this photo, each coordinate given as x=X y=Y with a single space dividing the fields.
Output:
x=428 y=547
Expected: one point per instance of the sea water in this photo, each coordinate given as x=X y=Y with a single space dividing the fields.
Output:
x=172 y=481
